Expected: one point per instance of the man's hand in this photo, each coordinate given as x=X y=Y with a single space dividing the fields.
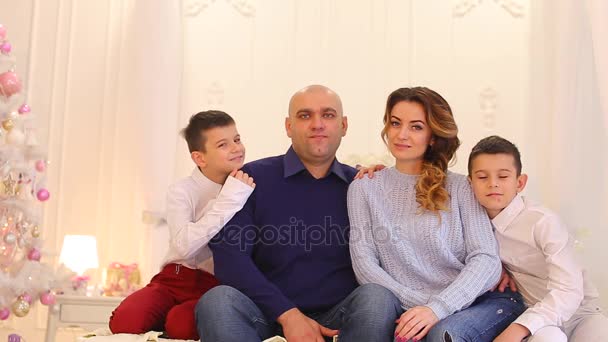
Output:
x=243 y=177
x=415 y=323
x=514 y=333
x=368 y=170
x=505 y=280
x=299 y=328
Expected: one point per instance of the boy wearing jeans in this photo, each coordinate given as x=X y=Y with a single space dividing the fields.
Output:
x=536 y=251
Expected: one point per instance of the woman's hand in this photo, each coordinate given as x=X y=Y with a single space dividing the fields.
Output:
x=368 y=170
x=415 y=323
x=505 y=280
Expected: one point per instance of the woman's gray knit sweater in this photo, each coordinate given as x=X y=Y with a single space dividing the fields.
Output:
x=441 y=263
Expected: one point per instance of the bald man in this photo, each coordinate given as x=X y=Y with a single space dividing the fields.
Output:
x=283 y=259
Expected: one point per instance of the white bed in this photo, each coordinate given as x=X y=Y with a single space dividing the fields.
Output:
x=104 y=335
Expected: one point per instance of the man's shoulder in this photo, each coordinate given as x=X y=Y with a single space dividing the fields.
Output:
x=262 y=166
x=348 y=170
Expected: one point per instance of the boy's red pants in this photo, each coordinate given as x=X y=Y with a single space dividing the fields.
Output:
x=166 y=304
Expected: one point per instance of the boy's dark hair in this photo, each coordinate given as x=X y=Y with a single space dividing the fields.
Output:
x=495 y=145
x=201 y=122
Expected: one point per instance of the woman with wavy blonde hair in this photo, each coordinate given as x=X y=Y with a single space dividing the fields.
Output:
x=417 y=229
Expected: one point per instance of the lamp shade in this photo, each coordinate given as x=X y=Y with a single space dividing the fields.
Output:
x=79 y=253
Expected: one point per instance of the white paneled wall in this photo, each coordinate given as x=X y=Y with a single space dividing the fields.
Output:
x=113 y=81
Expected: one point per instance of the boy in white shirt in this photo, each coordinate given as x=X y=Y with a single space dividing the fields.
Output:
x=198 y=206
x=536 y=251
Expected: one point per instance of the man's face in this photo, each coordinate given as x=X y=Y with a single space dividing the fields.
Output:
x=316 y=125
x=495 y=181
x=224 y=150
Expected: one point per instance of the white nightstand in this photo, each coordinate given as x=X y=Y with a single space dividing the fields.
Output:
x=79 y=311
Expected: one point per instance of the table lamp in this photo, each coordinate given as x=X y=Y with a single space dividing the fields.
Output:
x=79 y=253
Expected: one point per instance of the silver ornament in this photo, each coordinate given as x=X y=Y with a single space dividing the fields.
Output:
x=10 y=238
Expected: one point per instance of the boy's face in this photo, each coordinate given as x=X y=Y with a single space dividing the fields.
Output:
x=224 y=151
x=495 y=182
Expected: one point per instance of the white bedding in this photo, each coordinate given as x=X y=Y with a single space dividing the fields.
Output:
x=105 y=335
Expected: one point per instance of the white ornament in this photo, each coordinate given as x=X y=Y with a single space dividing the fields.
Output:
x=10 y=238
x=15 y=137
x=31 y=140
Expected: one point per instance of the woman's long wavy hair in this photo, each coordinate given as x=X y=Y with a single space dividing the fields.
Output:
x=431 y=193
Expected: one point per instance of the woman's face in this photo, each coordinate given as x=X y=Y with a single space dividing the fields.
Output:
x=408 y=135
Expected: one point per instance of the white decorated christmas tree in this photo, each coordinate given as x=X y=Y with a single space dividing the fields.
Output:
x=24 y=279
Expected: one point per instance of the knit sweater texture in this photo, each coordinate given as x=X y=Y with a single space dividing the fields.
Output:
x=441 y=261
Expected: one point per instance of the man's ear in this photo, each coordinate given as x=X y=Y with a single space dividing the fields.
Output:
x=522 y=180
x=288 y=126
x=199 y=159
x=344 y=125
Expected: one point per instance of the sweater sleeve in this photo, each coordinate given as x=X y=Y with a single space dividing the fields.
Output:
x=364 y=253
x=187 y=236
x=482 y=263
x=232 y=251
x=565 y=279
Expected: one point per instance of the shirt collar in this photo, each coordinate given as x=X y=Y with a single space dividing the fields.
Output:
x=202 y=180
x=508 y=214
x=293 y=165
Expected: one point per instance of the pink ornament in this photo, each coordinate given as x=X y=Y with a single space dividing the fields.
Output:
x=6 y=48
x=43 y=195
x=2 y=32
x=4 y=314
x=24 y=109
x=34 y=254
x=26 y=297
x=40 y=165
x=47 y=298
x=9 y=84
x=15 y=338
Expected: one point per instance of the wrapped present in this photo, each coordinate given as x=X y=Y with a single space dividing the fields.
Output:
x=121 y=279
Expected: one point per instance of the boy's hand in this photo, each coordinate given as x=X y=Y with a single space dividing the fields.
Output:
x=299 y=328
x=514 y=333
x=243 y=177
x=505 y=280
x=368 y=170
x=415 y=323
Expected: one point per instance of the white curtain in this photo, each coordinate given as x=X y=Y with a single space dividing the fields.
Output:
x=568 y=97
x=598 y=20
x=156 y=63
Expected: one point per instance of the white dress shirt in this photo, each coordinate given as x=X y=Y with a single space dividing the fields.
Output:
x=197 y=209
x=537 y=250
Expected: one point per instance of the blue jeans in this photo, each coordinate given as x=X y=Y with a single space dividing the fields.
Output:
x=486 y=318
x=367 y=314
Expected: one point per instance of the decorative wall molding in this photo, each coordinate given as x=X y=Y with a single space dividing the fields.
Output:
x=193 y=8
x=244 y=7
x=488 y=102
x=215 y=94
x=513 y=7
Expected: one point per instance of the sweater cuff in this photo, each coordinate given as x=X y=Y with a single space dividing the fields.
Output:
x=440 y=309
x=275 y=310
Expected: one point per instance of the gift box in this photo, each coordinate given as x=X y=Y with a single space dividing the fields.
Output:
x=121 y=279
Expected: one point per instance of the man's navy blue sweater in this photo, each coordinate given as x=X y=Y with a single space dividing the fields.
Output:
x=288 y=246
